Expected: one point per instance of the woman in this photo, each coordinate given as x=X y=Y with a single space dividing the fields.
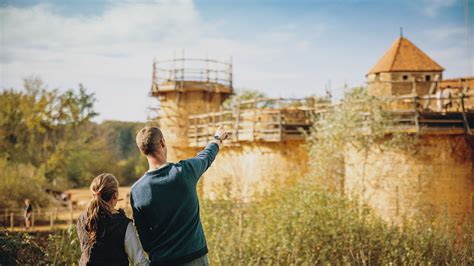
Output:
x=107 y=236
x=28 y=213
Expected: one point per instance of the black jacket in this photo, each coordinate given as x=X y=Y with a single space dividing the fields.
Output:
x=109 y=249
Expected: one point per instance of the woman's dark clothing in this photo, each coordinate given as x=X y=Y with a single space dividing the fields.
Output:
x=28 y=212
x=28 y=208
x=109 y=248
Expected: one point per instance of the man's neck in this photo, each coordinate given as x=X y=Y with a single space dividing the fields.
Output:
x=155 y=163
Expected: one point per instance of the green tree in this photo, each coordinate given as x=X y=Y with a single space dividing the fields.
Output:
x=359 y=121
x=43 y=130
x=242 y=95
x=35 y=120
x=120 y=141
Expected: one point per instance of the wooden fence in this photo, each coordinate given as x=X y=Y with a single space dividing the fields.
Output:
x=46 y=218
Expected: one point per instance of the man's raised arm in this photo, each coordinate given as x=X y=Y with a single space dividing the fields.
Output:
x=204 y=158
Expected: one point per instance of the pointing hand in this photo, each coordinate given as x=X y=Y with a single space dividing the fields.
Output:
x=221 y=134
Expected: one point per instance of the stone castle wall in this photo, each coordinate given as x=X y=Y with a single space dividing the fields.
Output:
x=175 y=108
x=437 y=177
x=252 y=166
x=394 y=84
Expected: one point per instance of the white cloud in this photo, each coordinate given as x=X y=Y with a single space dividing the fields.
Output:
x=453 y=59
x=111 y=53
x=450 y=50
x=445 y=33
x=432 y=8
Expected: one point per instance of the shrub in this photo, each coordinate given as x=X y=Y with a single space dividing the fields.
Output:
x=63 y=247
x=307 y=224
x=18 y=182
x=302 y=224
x=60 y=247
x=19 y=249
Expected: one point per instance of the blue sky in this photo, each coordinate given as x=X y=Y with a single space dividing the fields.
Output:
x=284 y=48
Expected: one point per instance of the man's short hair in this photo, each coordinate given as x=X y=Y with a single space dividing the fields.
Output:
x=148 y=139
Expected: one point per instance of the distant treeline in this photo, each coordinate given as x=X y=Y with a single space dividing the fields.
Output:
x=48 y=140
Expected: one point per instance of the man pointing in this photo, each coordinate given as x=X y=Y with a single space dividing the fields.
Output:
x=165 y=202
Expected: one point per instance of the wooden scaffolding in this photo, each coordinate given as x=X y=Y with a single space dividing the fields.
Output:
x=275 y=120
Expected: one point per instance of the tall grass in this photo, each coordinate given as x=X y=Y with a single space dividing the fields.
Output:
x=299 y=224
x=40 y=248
x=307 y=224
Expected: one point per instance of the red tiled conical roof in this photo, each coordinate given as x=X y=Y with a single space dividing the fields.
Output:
x=404 y=56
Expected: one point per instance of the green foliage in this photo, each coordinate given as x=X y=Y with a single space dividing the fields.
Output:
x=34 y=121
x=301 y=224
x=21 y=181
x=360 y=121
x=243 y=94
x=40 y=130
x=120 y=143
x=63 y=247
x=47 y=139
x=306 y=224
x=60 y=247
x=19 y=249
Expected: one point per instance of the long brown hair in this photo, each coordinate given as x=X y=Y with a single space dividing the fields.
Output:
x=103 y=188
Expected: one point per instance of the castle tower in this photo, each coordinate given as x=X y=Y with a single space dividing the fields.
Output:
x=404 y=69
x=436 y=179
x=187 y=87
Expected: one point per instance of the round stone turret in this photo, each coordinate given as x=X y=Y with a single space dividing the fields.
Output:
x=187 y=87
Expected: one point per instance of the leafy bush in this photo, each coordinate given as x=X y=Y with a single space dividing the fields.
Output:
x=18 y=182
x=58 y=248
x=359 y=121
x=307 y=224
x=63 y=247
x=19 y=249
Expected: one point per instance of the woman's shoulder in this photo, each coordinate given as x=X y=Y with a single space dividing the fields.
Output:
x=81 y=220
x=121 y=215
x=83 y=216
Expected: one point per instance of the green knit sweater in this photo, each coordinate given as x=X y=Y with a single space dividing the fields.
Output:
x=166 y=209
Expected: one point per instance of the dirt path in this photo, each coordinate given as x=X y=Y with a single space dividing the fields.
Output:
x=41 y=228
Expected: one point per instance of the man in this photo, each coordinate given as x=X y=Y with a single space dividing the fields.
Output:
x=165 y=203
x=448 y=99
x=439 y=100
